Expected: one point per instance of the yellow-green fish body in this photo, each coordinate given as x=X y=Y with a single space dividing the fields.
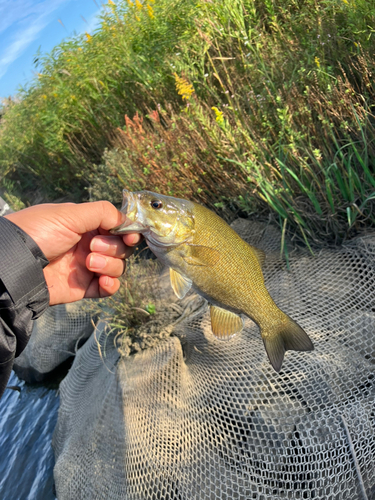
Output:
x=205 y=253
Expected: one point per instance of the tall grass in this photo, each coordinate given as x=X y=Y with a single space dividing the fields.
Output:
x=239 y=103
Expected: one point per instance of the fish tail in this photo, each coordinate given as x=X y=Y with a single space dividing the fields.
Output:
x=287 y=335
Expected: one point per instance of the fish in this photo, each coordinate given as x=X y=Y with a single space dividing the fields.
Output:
x=205 y=254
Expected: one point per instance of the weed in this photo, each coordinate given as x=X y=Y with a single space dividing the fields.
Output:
x=234 y=103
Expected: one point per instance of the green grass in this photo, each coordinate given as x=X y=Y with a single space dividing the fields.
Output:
x=234 y=103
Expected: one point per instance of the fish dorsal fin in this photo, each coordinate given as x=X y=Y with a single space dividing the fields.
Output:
x=180 y=285
x=260 y=255
x=224 y=323
x=201 y=256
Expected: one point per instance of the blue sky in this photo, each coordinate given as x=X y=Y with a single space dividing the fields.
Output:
x=26 y=25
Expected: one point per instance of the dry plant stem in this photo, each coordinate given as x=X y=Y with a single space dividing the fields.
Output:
x=235 y=104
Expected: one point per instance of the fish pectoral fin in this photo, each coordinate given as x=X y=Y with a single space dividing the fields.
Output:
x=260 y=255
x=192 y=261
x=180 y=284
x=289 y=336
x=201 y=256
x=224 y=323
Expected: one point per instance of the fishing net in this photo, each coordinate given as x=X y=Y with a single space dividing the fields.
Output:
x=56 y=336
x=192 y=417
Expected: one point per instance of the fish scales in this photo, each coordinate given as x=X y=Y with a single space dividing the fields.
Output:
x=236 y=280
x=203 y=252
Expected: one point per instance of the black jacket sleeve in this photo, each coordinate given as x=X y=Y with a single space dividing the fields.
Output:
x=23 y=293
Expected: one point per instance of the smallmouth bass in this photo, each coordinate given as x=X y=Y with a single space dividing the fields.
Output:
x=204 y=253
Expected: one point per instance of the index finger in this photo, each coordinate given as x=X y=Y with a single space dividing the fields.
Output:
x=132 y=239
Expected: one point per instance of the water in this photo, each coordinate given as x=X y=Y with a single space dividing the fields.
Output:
x=27 y=421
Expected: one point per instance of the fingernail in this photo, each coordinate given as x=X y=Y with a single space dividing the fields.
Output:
x=97 y=262
x=132 y=239
x=108 y=281
x=98 y=245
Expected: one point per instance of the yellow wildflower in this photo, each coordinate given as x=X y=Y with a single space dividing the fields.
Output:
x=317 y=62
x=44 y=96
x=130 y=3
x=150 y=11
x=138 y=5
x=183 y=87
x=111 y=3
x=219 y=116
x=317 y=154
x=88 y=37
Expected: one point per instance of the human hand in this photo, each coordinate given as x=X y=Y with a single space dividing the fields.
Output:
x=84 y=260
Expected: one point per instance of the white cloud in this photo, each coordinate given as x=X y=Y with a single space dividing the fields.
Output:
x=27 y=18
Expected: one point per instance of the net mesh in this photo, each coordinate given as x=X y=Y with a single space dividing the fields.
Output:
x=55 y=337
x=197 y=418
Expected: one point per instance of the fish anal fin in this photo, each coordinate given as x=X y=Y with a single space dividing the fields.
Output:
x=179 y=283
x=260 y=255
x=224 y=323
x=287 y=336
x=201 y=256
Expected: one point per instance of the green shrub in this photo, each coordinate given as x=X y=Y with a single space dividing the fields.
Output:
x=238 y=103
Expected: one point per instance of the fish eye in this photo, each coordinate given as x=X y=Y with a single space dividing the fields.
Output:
x=156 y=204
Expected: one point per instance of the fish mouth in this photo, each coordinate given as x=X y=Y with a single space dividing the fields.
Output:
x=128 y=227
x=129 y=208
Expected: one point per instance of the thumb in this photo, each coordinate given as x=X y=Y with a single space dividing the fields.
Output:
x=86 y=217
